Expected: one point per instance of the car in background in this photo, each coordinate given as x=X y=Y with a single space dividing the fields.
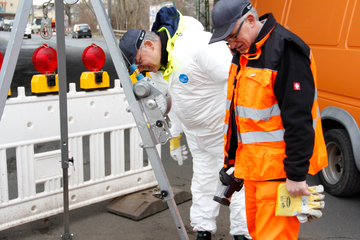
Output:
x=7 y=27
x=11 y=24
x=28 y=31
x=81 y=30
x=1 y=25
x=36 y=25
x=8 y=24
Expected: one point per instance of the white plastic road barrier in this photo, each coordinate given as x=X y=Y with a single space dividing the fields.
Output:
x=103 y=141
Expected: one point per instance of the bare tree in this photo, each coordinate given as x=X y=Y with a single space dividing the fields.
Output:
x=84 y=13
x=127 y=14
x=67 y=9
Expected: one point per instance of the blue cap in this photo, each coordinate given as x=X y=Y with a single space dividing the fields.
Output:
x=129 y=44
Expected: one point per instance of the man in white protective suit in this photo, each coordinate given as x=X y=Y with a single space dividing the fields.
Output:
x=178 y=55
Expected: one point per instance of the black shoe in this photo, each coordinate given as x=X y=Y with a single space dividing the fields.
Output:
x=203 y=235
x=240 y=237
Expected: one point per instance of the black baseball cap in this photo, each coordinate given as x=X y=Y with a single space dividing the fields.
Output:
x=224 y=16
x=129 y=44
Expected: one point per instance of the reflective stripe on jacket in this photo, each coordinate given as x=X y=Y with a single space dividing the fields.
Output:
x=270 y=132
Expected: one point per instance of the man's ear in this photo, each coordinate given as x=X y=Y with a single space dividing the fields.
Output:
x=251 y=20
x=149 y=44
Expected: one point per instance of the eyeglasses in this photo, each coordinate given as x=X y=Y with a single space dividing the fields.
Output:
x=229 y=39
x=138 y=62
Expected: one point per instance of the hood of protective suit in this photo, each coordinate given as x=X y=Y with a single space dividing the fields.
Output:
x=172 y=22
x=167 y=18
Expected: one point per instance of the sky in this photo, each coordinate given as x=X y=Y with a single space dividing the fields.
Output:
x=39 y=2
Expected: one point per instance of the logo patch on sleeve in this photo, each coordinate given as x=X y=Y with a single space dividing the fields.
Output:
x=296 y=86
x=183 y=78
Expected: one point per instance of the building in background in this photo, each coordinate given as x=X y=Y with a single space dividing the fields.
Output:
x=8 y=9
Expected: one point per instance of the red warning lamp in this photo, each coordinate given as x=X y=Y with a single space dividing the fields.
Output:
x=44 y=59
x=1 y=59
x=93 y=58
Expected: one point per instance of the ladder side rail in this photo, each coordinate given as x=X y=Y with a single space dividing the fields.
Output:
x=13 y=50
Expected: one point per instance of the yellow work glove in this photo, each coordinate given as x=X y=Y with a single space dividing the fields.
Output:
x=177 y=152
x=303 y=207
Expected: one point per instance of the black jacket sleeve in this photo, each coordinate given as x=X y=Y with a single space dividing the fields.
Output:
x=294 y=89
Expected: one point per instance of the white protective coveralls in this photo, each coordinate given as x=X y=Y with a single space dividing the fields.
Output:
x=197 y=85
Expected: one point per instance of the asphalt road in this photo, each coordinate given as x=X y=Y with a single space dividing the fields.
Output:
x=340 y=217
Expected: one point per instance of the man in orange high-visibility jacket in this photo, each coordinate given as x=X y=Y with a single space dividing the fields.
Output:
x=273 y=130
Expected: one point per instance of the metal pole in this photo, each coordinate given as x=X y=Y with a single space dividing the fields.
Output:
x=109 y=10
x=203 y=14
x=32 y=13
x=61 y=58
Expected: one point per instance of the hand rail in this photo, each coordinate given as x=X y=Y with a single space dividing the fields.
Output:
x=119 y=33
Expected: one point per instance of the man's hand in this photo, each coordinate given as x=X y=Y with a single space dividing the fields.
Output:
x=296 y=189
x=305 y=208
x=177 y=152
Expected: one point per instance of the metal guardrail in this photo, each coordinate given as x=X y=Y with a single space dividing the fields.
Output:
x=119 y=33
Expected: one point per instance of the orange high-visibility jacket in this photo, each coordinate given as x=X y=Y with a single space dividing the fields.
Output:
x=272 y=124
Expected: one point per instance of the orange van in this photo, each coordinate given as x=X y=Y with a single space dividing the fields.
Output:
x=332 y=30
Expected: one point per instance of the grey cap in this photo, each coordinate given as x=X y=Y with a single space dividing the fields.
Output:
x=224 y=16
x=129 y=44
